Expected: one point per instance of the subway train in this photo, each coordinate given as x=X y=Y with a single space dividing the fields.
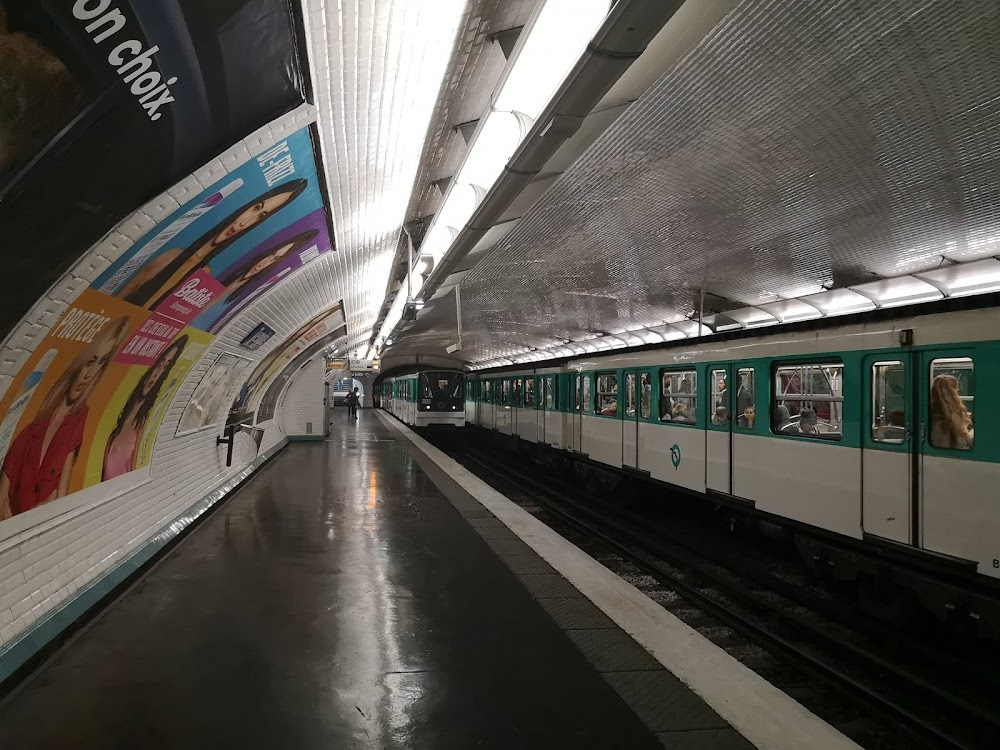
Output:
x=427 y=398
x=875 y=444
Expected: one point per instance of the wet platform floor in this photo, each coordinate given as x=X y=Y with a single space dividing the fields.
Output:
x=338 y=600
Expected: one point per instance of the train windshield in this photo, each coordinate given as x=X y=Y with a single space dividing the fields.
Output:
x=441 y=391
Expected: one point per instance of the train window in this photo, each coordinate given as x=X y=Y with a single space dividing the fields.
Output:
x=550 y=392
x=809 y=400
x=487 y=393
x=952 y=402
x=645 y=395
x=518 y=392
x=505 y=392
x=607 y=394
x=889 y=402
x=586 y=393
x=746 y=408
x=630 y=394
x=678 y=396
x=719 y=413
x=529 y=393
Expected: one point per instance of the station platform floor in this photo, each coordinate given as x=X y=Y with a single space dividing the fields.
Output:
x=351 y=595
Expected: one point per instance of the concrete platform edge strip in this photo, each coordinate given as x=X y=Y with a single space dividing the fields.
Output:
x=18 y=652
x=762 y=713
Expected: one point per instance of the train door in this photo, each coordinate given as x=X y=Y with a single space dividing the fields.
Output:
x=719 y=428
x=576 y=441
x=504 y=416
x=630 y=421
x=888 y=448
x=543 y=389
x=957 y=475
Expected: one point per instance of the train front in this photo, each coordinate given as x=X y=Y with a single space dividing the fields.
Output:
x=440 y=398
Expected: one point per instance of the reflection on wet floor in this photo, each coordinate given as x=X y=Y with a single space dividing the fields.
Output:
x=337 y=601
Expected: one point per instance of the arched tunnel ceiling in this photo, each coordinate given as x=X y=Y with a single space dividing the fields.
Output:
x=392 y=79
x=798 y=146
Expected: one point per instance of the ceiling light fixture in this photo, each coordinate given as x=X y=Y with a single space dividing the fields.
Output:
x=546 y=51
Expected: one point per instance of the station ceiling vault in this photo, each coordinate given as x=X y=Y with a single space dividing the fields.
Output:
x=796 y=147
x=392 y=80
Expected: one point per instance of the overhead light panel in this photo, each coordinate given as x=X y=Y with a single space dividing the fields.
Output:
x=839 y=302
x=977 y=277
x=902 y=290
x=546 y=51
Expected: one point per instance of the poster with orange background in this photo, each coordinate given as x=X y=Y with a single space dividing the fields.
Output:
x=121 y=441
x=48 y=422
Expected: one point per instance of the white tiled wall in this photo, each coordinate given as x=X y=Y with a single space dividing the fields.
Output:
x=301 y=410
x=44 y=565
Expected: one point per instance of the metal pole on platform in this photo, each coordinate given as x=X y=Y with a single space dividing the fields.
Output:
x=701 y=310
x=458 y=312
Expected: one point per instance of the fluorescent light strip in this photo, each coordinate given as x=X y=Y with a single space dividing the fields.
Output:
x=548 y=48
x=960 y=280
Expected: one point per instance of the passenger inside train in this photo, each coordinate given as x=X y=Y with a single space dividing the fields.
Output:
x=951 y=422
x=666 y=402
x=721 y=416
x=807 y=423
x=782 y=419
x=895 y=427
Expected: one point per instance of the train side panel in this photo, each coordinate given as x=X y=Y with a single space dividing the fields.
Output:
x=813 y=482
x=956 y=520
x=527 y=423
x=674 y=454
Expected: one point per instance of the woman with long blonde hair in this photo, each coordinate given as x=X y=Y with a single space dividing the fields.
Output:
x=38 y=466
x=951 y=423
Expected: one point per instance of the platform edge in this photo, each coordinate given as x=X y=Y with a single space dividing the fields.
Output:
x=763 y=714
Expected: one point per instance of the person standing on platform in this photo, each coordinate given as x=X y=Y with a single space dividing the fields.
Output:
x=352 y=404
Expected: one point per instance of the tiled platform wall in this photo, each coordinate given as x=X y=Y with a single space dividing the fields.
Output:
x=302 y=411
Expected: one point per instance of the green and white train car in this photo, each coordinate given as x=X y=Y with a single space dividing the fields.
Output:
x=428 y=398
x=723 y=418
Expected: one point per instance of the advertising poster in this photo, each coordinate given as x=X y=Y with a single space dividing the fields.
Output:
x=57 y=401
x=209 y=402
x=271 y=262
x=117 y=101
x=239 y=233
x=132 y=416
x=320 y=326
x=259 y=336
x=94 y=393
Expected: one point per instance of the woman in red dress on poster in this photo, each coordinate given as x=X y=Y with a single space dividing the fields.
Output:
x=41 y=458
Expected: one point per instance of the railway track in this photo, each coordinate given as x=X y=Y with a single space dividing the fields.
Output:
x=882 y=701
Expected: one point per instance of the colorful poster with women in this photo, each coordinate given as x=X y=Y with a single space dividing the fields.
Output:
x=124 y=438
x=271 y=262
x=241 y=235
x=87 y=405
x=53 y=406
